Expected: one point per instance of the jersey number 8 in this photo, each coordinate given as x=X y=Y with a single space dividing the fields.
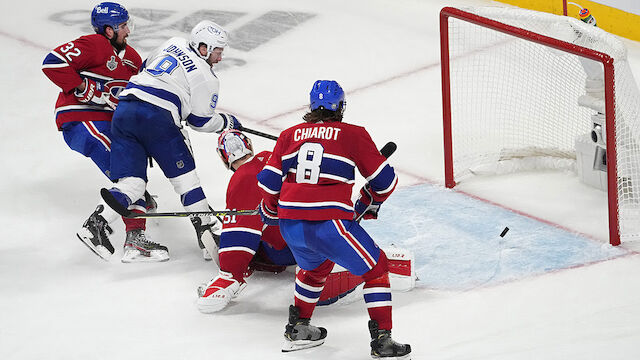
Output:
x=309 y=160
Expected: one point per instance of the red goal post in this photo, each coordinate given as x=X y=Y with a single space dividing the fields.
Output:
x=472 y=101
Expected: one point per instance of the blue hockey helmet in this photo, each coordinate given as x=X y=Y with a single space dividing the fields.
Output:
x=326 y=94
x=108 y=14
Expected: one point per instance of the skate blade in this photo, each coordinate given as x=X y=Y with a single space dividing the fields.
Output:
x=403 y=357
x=134 y=256
x=99 y=250
x=289 y=346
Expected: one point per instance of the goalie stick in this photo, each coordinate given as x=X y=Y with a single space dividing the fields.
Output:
x=387 y=150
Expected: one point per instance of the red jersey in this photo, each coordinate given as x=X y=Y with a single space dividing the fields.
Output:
x=311 y=172
x=90 y=56
x=243 y=193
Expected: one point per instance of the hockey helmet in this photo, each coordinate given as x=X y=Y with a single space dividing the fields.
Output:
x=327 y=94
x=233 y=145
x=108 y=14
x=208 y=33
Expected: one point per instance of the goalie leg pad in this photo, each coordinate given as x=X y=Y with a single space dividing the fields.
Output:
x=218 y=292
x=402 y=272
x=339 y=284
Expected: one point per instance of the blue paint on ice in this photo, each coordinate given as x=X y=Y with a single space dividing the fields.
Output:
x=457 y=244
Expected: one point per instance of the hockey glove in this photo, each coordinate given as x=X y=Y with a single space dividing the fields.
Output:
x=365 y=207
x=268 y=216
x=112 y=90
x=91 y=94
x=230 y=122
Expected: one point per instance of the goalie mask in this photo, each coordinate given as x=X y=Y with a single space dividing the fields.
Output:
x=233 y=145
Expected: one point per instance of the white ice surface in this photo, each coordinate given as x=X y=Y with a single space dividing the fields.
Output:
x=59 y=301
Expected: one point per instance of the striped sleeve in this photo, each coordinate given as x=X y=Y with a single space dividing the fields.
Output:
x=375 y=168
x=270 y=178
x=58 y=70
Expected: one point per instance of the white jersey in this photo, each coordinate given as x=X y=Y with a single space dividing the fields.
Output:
x=175 y=78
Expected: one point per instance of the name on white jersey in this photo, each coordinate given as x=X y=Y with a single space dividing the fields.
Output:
x=326 y=133
x=182 y=57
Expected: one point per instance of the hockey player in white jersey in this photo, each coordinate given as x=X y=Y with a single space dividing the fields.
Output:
x=176 y=87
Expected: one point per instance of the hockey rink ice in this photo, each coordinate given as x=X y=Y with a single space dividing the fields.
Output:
x=551 y=288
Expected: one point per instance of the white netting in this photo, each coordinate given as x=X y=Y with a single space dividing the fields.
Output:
x=513 y=99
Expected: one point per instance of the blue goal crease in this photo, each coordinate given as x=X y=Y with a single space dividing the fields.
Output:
x=457 y=244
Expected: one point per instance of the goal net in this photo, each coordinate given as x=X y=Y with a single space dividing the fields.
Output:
x=523 y=89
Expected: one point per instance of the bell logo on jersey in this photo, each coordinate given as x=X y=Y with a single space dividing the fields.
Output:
x=112 y=64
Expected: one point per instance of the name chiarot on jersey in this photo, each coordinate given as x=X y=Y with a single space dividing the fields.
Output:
x=322 y=132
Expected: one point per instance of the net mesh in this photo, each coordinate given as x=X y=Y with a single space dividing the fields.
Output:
x=514 y=103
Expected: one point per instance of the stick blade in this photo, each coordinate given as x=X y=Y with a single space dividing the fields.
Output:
x=388 y=149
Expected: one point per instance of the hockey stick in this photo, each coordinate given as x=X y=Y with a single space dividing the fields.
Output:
x=117 y=207
x=216 y=213
x=387 y=150
x=259 y=133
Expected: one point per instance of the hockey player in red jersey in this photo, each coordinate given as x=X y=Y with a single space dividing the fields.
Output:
x=246 y=244
x=306 y=188
x=90 y=72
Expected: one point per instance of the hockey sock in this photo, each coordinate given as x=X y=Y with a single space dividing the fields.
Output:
x=139 y=207
x=309 y=285
x=377 y=293
x=135 y=224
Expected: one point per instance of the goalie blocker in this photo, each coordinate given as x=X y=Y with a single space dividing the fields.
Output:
x=341 y=282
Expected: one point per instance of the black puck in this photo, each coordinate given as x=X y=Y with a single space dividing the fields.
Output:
x=504 y=232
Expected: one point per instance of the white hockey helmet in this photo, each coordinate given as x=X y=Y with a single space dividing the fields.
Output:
x=208 y=33
x=233 y=145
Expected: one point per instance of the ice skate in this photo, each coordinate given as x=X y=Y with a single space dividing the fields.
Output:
x=383 y=346
x=138 y=248
x=299 y=334
x=217 y=294
x=95 y=234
